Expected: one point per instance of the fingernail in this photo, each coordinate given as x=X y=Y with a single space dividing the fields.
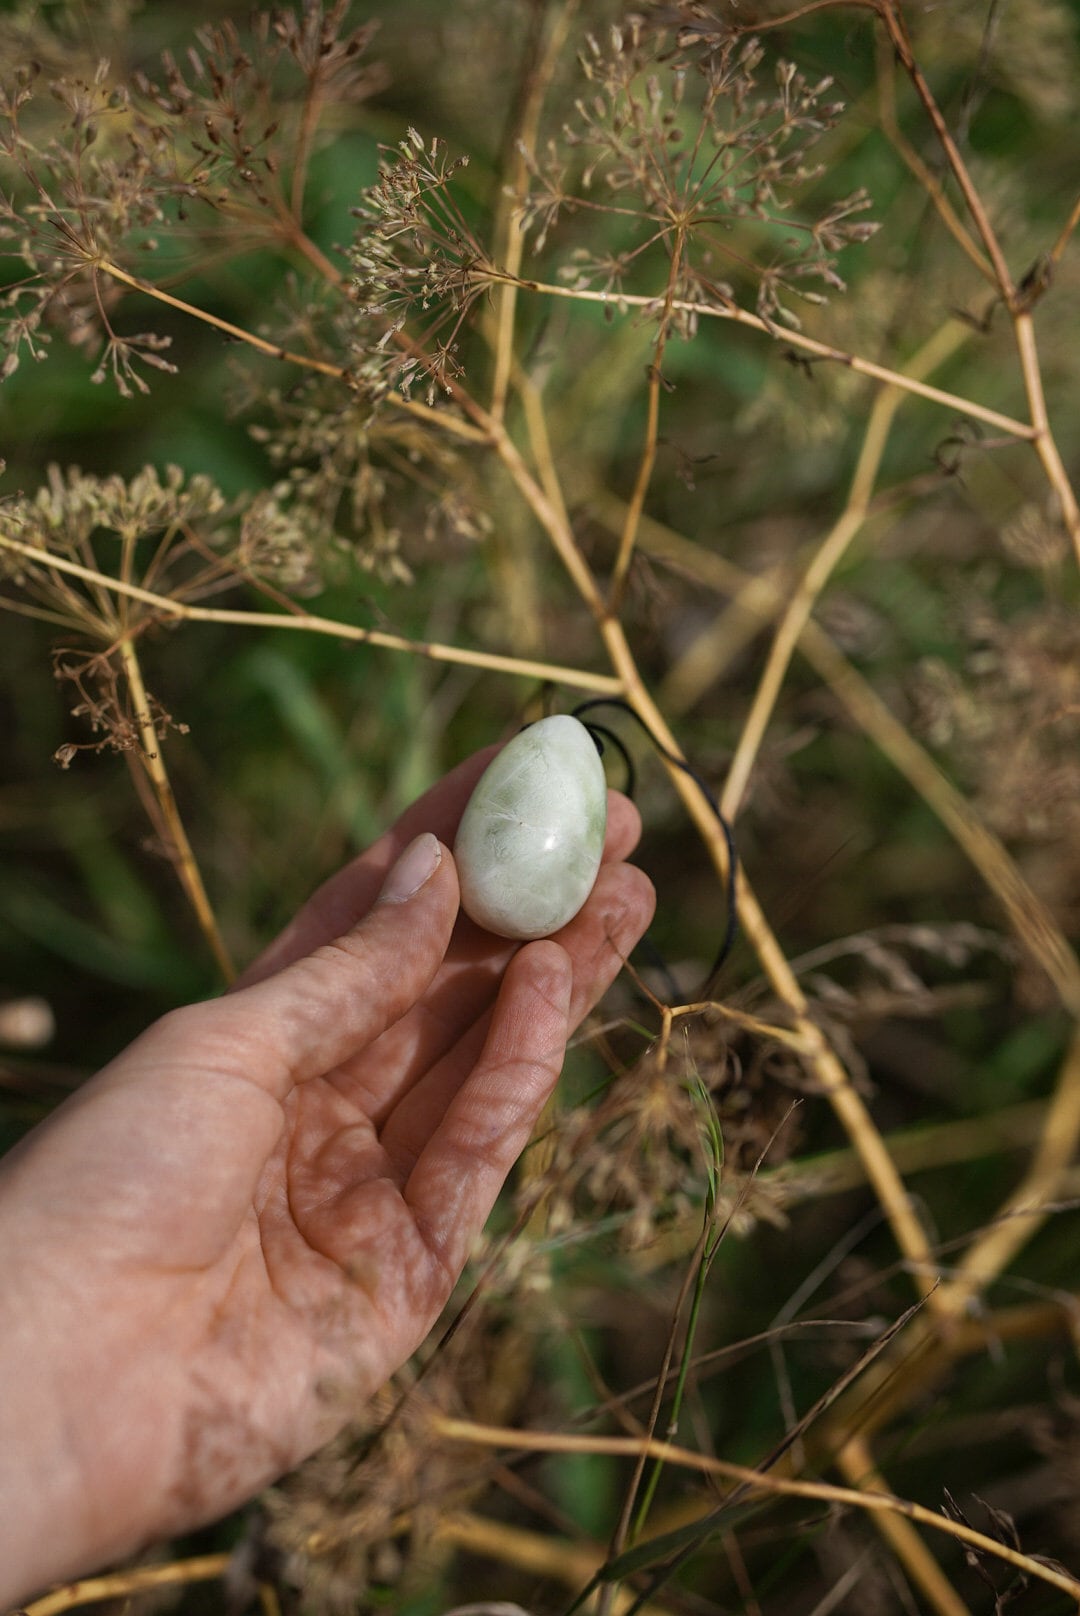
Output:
x=416 y=865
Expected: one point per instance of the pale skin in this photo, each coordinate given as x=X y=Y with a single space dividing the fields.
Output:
x=236 y=1232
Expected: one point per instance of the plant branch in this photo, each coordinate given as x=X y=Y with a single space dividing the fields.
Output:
x=759 y=1481
x=824 y=561
x=889 y=13
x=793 y=339
x=1044 y=444
x=577 y=678
x=929 y=181
x=125 y=1584
x=543 y=56
x=175 y=838
x=621 y=571
x=324 y=367
x=856 y=1463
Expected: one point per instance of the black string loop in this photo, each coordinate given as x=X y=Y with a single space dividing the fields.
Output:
x=600 y=734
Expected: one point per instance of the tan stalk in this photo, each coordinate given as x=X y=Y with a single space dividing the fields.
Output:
x=568 y=1563
x=180 y=610
x=1029 y=1205
x=1057 y=251
x=508 y=232
x=1014 y=297
x=834 y=1080
x=792 y=339
x=759 y=1481
x=448 y=423
x=890 y=15
x=1031 y=920
x=627 y=538
x=929 y=181
x=824 y=562
x=1045 y=446
x=828 y=1070
x=126 y=1584
x=177 y=846
x=856 y=1463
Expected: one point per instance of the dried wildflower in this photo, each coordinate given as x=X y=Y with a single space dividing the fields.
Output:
x=415 y=253
x=1033 y=538
x=689 y=157
x=97 y=170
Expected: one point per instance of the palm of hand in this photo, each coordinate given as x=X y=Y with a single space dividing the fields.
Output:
x=283 y=1184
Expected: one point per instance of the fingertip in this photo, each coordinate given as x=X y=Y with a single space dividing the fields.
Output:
x=549 y=970
x=623 y=827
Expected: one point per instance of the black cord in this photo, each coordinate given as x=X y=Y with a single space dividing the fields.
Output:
x=731 y=927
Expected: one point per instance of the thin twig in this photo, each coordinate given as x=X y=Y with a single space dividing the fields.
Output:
x=824 y=562
x=856 y=1463
x=890 y=15
x=636 y=504
x=124 y=1584
x=791 y=339
x=543 y=57
x=179 y=610
x=175 y=839
x=324 y=367
x=759 y=1481
x=929 y=181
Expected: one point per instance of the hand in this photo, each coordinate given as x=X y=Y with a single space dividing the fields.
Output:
x=252 y=1217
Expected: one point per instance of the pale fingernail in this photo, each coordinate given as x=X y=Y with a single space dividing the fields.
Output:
x=416 y=865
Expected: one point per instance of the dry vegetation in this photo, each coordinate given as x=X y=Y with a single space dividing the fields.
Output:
x=714 y=357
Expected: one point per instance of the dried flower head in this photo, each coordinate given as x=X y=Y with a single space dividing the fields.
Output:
x=678 y=141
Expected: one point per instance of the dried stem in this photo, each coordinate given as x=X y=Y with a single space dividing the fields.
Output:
x=824 y=561
x=179 y=610
x=792 y=339
x=829 y=1071
x=550 y=32
x=175 y=837
x=759 y=1481
x=126 y=1584
x=1045 y=446
x=449 y=423
x=621 y=572
x=890 y=15
x=569 y=1563
x=856 y=1462
x=929 y=181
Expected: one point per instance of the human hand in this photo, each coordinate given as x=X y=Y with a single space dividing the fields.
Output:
x=251 y=1217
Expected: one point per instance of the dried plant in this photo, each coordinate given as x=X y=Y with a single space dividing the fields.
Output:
x=570 y=405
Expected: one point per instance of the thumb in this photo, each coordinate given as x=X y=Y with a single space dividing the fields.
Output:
x=324 y=1007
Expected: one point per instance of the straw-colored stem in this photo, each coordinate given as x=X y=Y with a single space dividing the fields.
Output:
x=824 y=562
x=856 y=1463
x=440 y=418
x=544 y=57
x=834 y=1081
x=756 y=1480
x=1044 y=444
x=175 y=837
x=127 y=1584
x=792 y=339
x=185 y=611
x=636 y=504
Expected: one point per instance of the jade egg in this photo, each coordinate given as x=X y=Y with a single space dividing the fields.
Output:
x=530 y=840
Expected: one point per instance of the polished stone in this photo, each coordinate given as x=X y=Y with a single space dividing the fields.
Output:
x=529 y=845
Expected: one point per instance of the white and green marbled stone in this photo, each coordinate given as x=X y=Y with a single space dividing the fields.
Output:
x=530 y=840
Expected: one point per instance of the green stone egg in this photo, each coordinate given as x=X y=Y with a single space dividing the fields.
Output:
x=530 y=840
